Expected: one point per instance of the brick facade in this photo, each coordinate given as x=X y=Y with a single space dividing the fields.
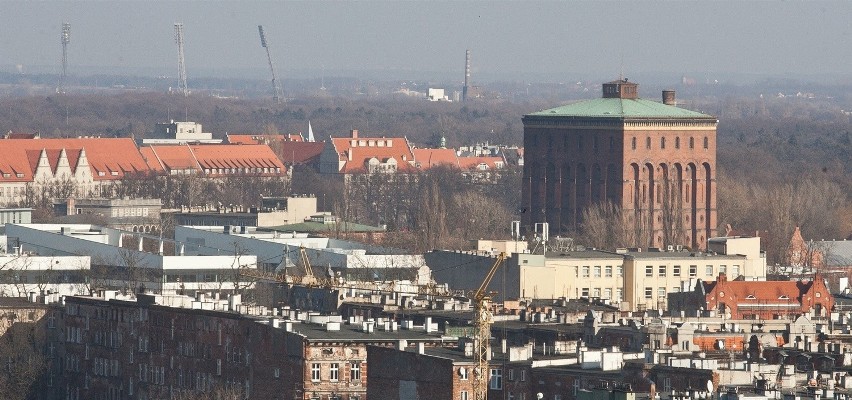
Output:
x=659 y=169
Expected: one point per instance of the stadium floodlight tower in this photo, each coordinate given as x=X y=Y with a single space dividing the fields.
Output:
x=181 y=63
x=65 y=38
x=276 y=87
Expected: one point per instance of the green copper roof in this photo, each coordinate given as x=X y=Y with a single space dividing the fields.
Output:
x=619 y=108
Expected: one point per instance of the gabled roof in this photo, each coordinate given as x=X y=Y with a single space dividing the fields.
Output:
x=766 y=292
x=104 y=155
x=299 y=152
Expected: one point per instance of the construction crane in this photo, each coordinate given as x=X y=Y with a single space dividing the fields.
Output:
x=482 y=319
x=276 y=87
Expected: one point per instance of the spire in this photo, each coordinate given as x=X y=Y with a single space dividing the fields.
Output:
x=310 y=132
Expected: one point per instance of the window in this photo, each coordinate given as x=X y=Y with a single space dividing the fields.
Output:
x=496 y=381
x=596 y=292
x=463 y=373
x=355 y=371
x=334 y=372
x=510 y=374
x=676 y=270
x=523 y=375
x=735 y=270
x=649 y=270
x=580 y=143
x=585 y=292
x=723 y=269
x=619 y=294
x=677 y=142
x=661 y=292
x=649 y=293
x=648 y=143
x=463 y=395
x=585 y=271
x=693 y=271
x=607 y=293
x=662 y=143
x=633 y=143
x=619 y=270
x=576 y=271
x=661 y=271
x=597 y=271
x=708 y=270
x=608 y=271
x=691 y=143
x=315 y=372
x=706 y=143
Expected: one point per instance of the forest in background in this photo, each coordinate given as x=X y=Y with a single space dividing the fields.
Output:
x=783 y=161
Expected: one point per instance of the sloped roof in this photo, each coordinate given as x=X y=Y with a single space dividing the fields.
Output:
x=762 y=291
x=107 y=155
x=474 y=162
x=366 y=148
x=212 y=157
x=428 y=158
x=619 y=108
x=263 y=139
x=299 y=152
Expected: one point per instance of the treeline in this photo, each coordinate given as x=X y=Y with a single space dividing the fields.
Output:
x=768 y=147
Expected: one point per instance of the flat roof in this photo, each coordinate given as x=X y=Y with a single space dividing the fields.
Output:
x=620 y=108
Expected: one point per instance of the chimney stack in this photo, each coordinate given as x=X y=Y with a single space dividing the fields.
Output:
x=354 y=134
x=669 y=98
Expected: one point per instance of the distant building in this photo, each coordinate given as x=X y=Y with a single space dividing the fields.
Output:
x=16 y=216
x=632 y=279
x=179 y=133
x=755 y=300
x=23 y=274
x=80 y=167
x=360 y=155
x=655 y=161
x=274 y=211
x=292 y=149
x=213 y=161
x=436 y=95
x=137 y=215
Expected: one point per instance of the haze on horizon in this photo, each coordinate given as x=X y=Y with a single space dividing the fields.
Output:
x=507 y=39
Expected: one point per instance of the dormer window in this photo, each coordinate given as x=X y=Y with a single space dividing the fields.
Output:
x=783 y=297
x=751 y=297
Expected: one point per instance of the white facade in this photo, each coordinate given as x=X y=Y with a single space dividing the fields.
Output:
x=21 y=274
x=125 y=261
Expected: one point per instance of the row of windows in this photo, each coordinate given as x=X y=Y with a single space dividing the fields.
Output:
x=706 y=143
x=596 y=271
x=605 y=293
x=709 y=270
x=661 y=292
x=334 y=371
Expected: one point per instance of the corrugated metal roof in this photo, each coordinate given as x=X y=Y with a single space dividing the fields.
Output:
x=619 y=108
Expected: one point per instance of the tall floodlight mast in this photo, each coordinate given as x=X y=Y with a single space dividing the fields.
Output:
x=65 y=39
x=276 y=88
x=181 y=64
x=466 y=74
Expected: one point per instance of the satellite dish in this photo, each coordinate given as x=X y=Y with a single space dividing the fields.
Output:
x=710 y=386
x=539 y=396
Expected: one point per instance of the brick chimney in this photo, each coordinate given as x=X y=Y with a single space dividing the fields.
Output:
x=354 y=134
x=722 y=277
x=669 y=98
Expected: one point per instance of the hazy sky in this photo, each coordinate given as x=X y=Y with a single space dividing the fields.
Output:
x=506 y=38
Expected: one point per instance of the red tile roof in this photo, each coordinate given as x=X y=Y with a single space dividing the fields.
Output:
x=299 y=152
x=428 y=158
x=105 y=156
x=263 y=139
x=474 y=162
x=362 y=149
x=215 y=158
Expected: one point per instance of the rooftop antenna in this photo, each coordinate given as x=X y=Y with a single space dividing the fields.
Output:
x=621 y=74
x=65 y=38
x=322 y=77
x=181 y=63
x=276 y=88
x=466 y=74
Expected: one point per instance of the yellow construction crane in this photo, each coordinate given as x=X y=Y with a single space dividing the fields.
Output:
x=482 y=319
